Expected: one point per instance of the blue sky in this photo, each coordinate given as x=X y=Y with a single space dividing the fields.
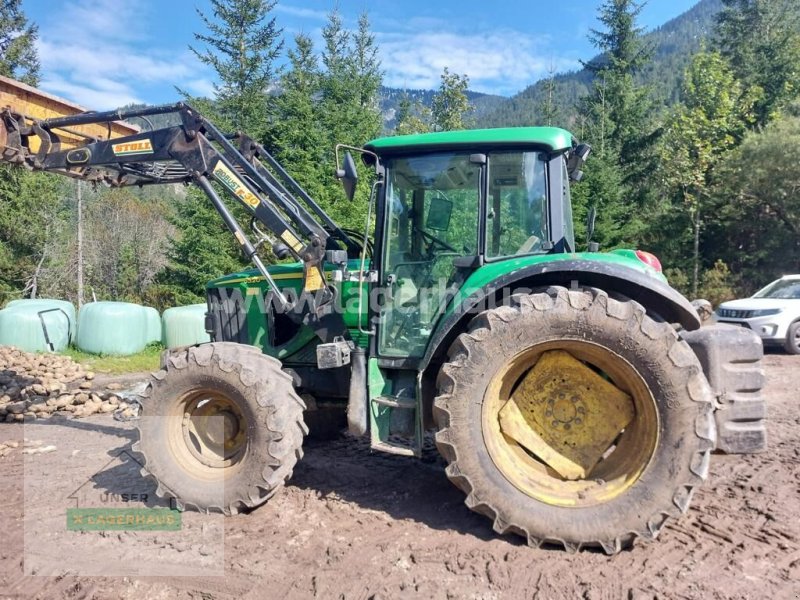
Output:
x=107 y=53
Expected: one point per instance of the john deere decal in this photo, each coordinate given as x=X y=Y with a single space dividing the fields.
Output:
x=137 y=147
x=229 y=179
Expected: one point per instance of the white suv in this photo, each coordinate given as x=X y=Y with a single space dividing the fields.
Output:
x=772 y=312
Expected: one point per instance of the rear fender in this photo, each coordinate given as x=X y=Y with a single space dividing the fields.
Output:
x=659 y=300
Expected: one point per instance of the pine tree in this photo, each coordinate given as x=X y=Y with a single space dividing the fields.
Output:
x=30 y=213
x=299 y=141
x=620 y=106
x=547 y=111
x=202 y=250
x=403 y=112
x=349 y=111
x=336 y=96
x=28 y=201
x=367 y=77
x=350 y=82
x=451 y=105
x=242 y=45
x=618 y=111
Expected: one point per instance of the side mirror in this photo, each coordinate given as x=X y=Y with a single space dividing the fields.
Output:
x=348 y=175
x=576 y=160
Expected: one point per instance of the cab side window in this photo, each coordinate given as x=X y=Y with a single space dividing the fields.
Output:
x=516 y=204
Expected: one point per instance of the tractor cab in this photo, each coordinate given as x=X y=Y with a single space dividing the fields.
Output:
x=453 y=202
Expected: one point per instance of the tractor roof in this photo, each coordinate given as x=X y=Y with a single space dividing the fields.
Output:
x=552 y=138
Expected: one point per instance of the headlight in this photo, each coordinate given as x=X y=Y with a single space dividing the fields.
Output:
x=766 y=312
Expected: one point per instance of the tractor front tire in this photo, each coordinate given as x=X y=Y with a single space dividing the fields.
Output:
x=596 y=349
x=221 y=428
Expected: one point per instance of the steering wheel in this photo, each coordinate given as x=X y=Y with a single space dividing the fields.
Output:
x=432 y=239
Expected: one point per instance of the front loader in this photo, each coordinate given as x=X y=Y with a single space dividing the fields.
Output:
x=574 y=396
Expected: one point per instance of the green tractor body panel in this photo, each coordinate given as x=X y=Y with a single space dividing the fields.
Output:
x=250 y=290
x=253 y=289
x=492 y=271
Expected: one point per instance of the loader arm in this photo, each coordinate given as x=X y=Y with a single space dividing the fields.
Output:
x=98 y=147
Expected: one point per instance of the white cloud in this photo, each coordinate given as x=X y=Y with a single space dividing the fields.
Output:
x=499 y=61
x=111 y=61
x=92 y=53
x=101 y=95
x=74 y=20
x=303 y=13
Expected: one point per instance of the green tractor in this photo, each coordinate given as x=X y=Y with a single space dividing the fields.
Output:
x=574 y=396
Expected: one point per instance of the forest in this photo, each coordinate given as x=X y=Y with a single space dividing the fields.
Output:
x=694 y=127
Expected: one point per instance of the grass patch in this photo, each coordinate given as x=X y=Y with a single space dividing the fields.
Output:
x=146 y=360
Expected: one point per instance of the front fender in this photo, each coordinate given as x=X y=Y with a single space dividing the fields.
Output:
x=657 y=297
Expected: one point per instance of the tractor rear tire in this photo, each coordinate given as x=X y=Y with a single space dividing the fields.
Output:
x=664 y=450
x=221 y=428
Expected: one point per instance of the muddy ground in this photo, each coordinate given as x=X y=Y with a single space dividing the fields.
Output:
x=355 y=525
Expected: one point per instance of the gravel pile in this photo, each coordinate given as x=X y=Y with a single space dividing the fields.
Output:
x=34 y=386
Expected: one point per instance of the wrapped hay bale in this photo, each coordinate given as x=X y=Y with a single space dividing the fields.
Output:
x=37 y=325
x=117 y=328
x=48 y=304
x=185 y=325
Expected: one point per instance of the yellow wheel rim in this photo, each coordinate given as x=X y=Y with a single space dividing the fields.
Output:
x=207 y=433
x=570 y=423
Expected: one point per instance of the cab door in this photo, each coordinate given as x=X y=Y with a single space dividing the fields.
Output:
x=432 y=214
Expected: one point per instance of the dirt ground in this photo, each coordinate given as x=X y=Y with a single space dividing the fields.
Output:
x=355 y=525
